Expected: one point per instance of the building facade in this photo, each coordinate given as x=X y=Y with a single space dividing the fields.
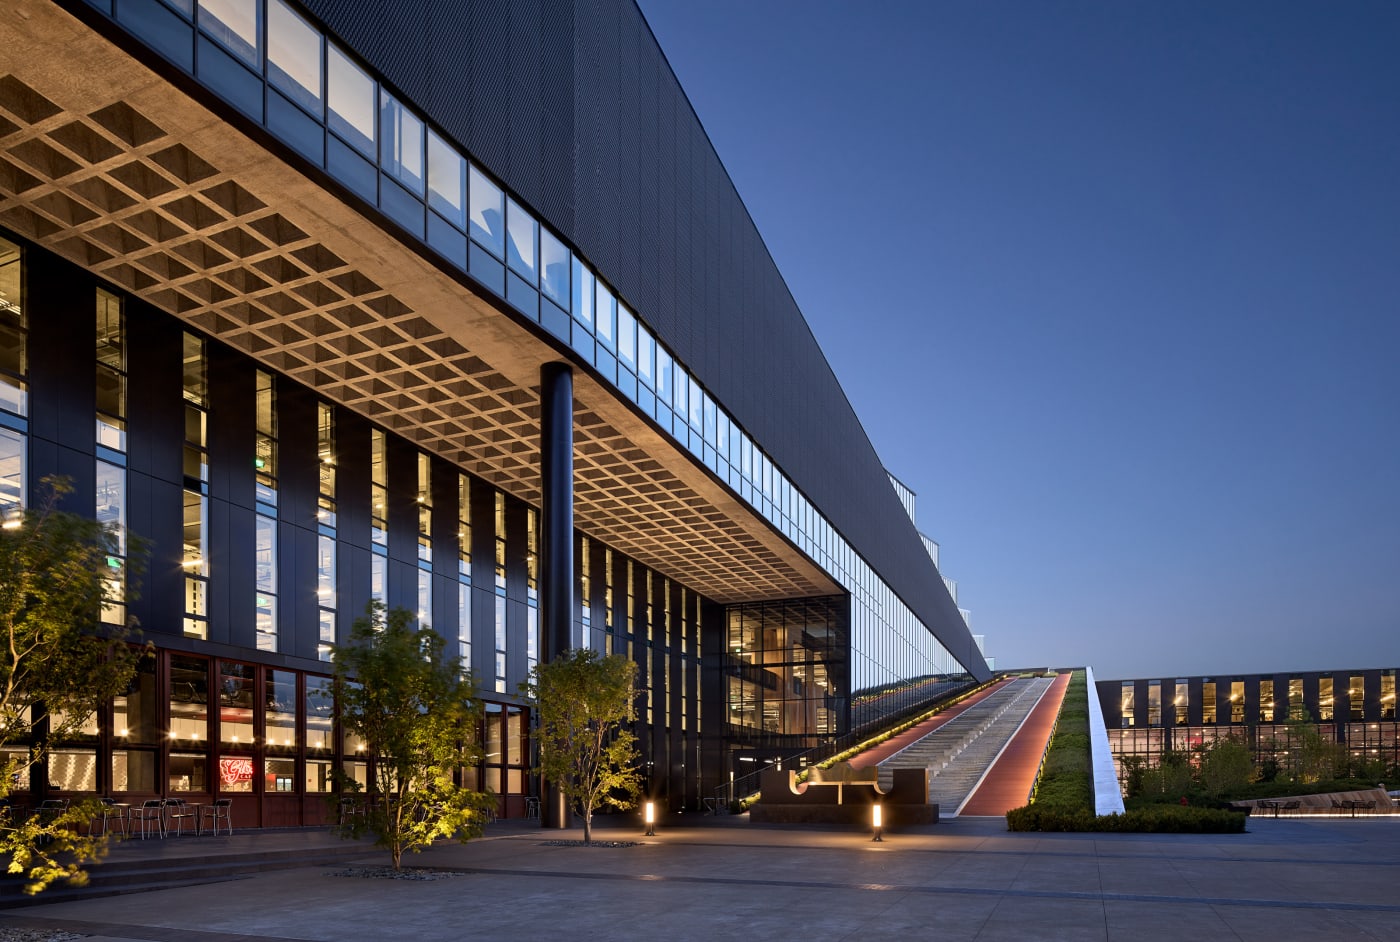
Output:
x=1269 y=712
x=302 y=295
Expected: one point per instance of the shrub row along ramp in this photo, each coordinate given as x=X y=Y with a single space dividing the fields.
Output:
x=959 y=753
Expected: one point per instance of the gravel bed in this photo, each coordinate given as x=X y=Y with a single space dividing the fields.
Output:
x=389 y=873
x=594 y=844
x=11 y=934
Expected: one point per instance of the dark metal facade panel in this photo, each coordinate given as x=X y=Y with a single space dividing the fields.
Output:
x=574 y=106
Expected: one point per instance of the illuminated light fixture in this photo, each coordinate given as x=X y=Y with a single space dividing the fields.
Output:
x=259 y=463
x=113 y=562
x=123 y=732
x=194 y=735
x=650 y=814
x=191 y=564
x=877 y=818
x=172 y=734
x=13 y=521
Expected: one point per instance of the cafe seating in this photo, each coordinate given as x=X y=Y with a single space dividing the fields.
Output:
x=178 y=811
x=220 y=810
x=151 y=815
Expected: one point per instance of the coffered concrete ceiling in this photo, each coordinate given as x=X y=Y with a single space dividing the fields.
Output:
x=113 y=167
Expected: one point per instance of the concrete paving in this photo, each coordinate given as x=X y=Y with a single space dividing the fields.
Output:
x=720 y=878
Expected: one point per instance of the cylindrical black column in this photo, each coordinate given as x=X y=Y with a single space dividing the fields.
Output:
x=556 y=538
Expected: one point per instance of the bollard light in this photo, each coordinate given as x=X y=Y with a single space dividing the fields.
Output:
x=877 y=817
x=650 y=815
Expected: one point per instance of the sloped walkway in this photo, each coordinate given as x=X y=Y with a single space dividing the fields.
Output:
x=877 y=754
x=1008 y=783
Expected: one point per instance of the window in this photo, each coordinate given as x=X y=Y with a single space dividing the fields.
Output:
x=325 y=595
x=400 y=143
x=11 y=477
x=378 y=489
x=111 y=372
x=1154 y=703
x=320 y=715
x=13 y=330
x=500 y=519
x=234 y=24
x=1266 y=701
x=111 y=512
x=265 y=448
x=487 y=213
x=521 y=231
x=295 y=57
x=447 y=171
x=1325 y=703
x=532 y=589
x=1236 y=701
x=236 y=704
x=326 y=531
x=1208 y=703
x=1357 y=691
x=280 y=710
x=189 y=701
x=464 y=571
x=195 y=558
x=554 y=269
x=265 y=569
x=1125 y=711
x=350 y=96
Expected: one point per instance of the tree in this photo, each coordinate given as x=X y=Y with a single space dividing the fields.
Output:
x=58 y=571
x=412 y=706
x=1226 y=766
x=585 y=750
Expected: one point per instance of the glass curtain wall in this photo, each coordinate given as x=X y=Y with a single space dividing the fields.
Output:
x=787 y=673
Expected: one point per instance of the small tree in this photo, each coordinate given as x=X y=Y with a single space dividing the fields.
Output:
x=585 y=750
x=413 y=708
x=1226 y=766
x=57 y=573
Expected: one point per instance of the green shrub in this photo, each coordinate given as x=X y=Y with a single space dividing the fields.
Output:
x=1156 y=819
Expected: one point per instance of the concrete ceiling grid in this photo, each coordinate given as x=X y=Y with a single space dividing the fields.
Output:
x=113 y=167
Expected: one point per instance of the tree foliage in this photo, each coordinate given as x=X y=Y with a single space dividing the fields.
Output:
x=585 y=750
x=412 y=706
x=56 y=574
x=1225 y=766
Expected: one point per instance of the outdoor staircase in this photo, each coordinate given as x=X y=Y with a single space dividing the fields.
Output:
x=959 y=753
x=128 y=869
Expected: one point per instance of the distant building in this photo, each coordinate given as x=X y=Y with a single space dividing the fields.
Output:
x=1354 y=708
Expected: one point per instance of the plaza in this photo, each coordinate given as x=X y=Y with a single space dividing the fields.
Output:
x=719 y=878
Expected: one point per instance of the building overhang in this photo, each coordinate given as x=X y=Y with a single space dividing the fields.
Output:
x=153 y=184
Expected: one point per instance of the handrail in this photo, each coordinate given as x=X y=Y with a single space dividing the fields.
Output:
x=746 y=785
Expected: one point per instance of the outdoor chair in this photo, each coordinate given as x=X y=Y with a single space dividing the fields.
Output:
x=112 y=811
x=179 y=812
x=220 y=810
x=151 y=813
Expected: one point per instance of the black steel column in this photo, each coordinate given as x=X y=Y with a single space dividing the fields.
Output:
x=556 y=539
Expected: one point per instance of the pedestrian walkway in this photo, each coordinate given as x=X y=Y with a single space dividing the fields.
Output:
x=965 y=880
x=1009 y=781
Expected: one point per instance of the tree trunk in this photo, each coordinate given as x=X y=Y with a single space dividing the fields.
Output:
x=587 y=826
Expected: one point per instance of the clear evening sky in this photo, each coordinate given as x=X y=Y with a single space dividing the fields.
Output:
x=1114 y=287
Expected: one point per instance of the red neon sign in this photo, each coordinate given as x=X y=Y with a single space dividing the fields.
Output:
x=232 y=772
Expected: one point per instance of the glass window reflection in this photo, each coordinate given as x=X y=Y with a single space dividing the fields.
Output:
x=401 y=143
x=350 y=96
x=521 y=231
x=295 y=61
x=554 y=269
x=234 y=24
x=488 y=218
x=447 y=181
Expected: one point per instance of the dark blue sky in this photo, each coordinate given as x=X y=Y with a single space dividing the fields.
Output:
x=1115 y=287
